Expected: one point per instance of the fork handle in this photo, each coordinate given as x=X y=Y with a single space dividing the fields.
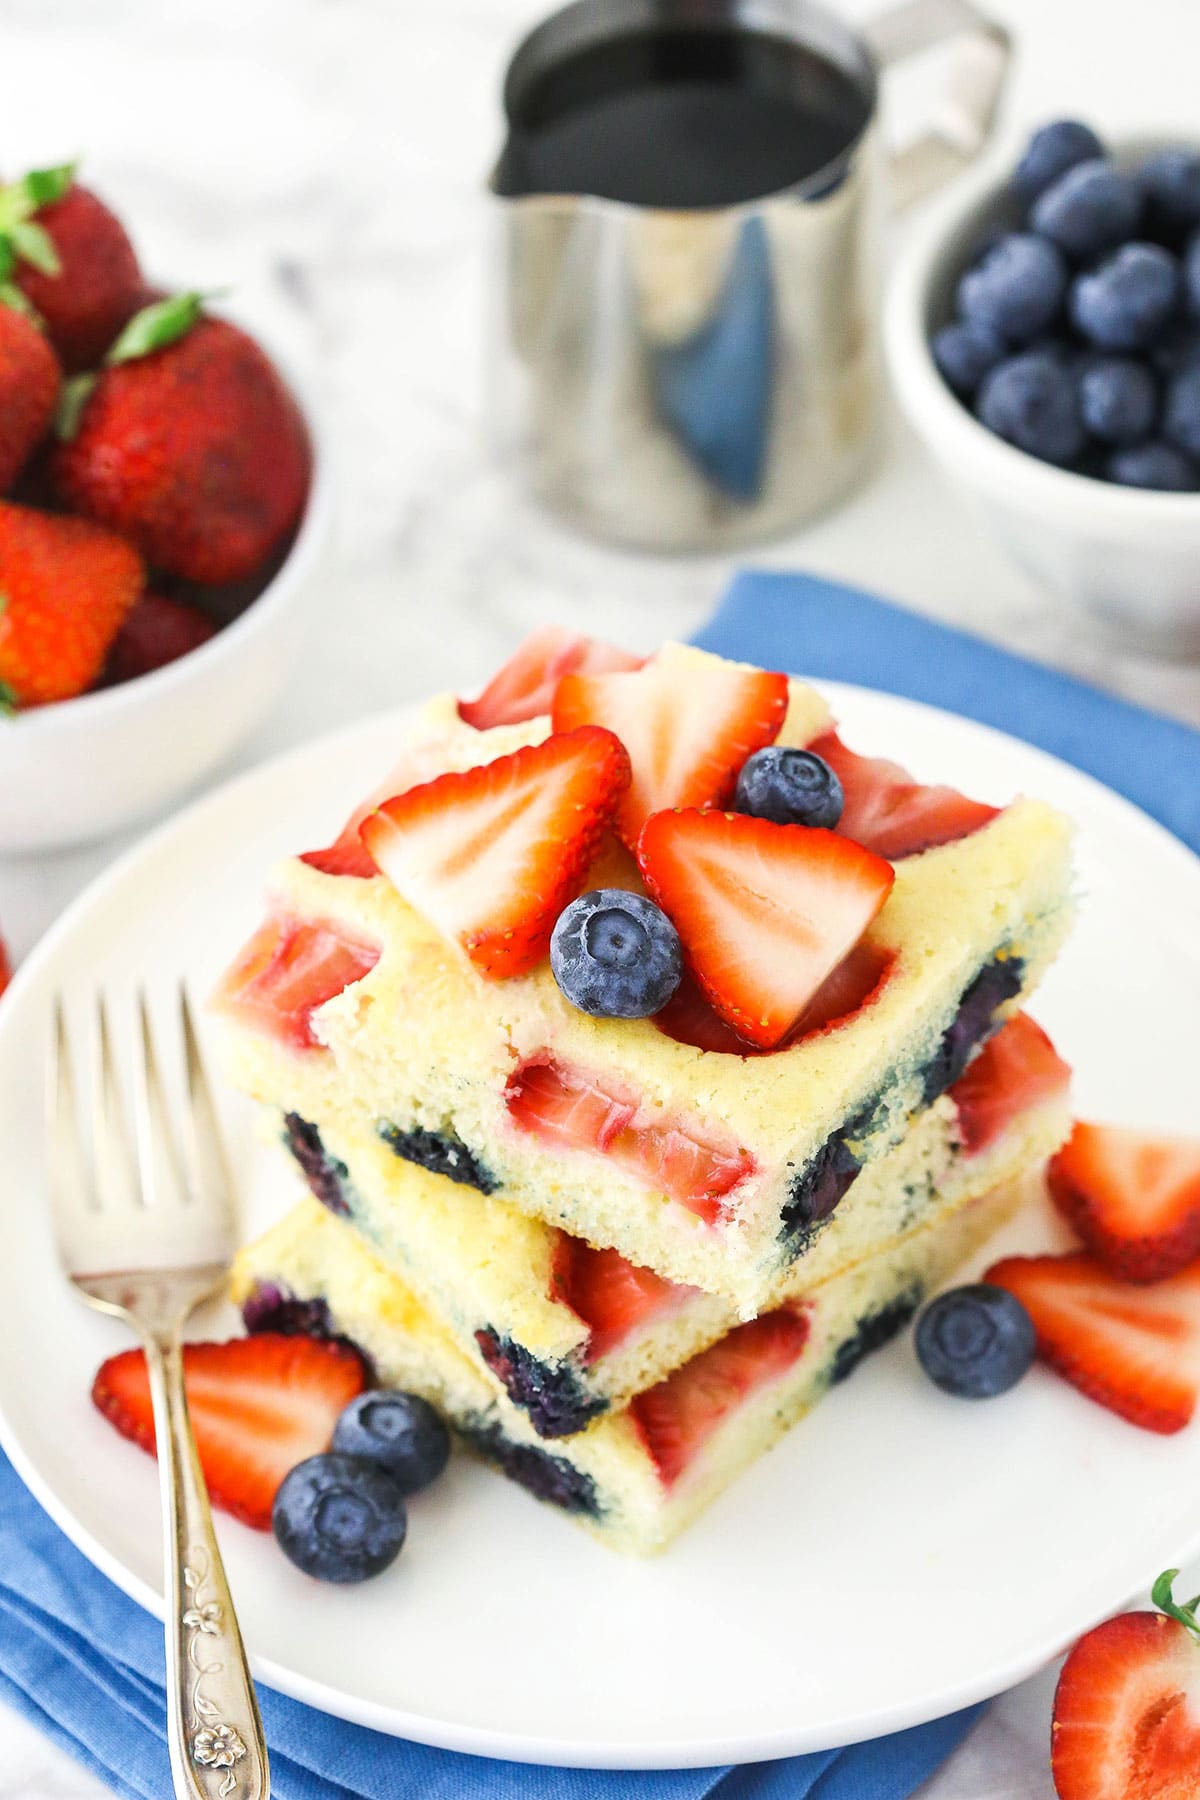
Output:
x=214 y=1732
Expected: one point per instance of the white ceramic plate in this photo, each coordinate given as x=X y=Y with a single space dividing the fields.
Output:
x=900 y=1555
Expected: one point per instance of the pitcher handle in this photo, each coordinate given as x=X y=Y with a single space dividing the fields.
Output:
x=965 y=112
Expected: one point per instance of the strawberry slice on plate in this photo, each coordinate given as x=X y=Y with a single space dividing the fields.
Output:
x=1016 y=1069
x=766 y=912
x=1127 y=1707
x=490 y=856
x=1133 y=1197
x=1135 y=1350
x=688 y=729
x=258 y=1405
x=889 y=812
x=289 y=968
x=677 y=1417
x=612 y=1295
x=525 y=687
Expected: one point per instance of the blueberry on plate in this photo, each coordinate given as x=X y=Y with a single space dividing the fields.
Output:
x=1016 y=288
x=1118 y=399
x=964 y=352
x=1051 y=151
x=1171 y=183
x=1032 y=401
x=1090 y=209
x=975 y=1342
x=789 y=787
x=1126 y=301
x=1154 y=465
x=401 y=1432
x=616 y=955
x=339 y=1518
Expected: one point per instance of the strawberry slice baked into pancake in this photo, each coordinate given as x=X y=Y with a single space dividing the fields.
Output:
x=732 y=1028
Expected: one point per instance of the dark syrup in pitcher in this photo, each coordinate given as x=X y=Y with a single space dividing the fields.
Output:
x=682 y=118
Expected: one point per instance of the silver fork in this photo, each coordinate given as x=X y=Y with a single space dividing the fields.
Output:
x=145 y=1231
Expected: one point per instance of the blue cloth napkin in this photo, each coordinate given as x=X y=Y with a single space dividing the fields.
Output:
x=820 y=628
x=84 y=1662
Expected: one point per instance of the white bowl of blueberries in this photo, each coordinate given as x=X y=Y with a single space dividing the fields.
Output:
x=1044 y=334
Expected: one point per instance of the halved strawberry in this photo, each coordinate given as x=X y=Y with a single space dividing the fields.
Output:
x=1016 y=1069
x=1134 y=1350
x=678 y=1416
x=610 y=1294
x=766 y=912
x=689 y=1019
x=288 y=969
x=891 y=813
x=259 y=1405
x=688 y=727
x=1127 y=1707
x=492 y=855
x=524 y=688
x=687 y=1160
x=1133 y=1197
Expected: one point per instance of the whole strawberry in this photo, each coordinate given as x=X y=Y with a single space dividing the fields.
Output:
x=66 y=585
x=71 y=259
x=29 y=382
x=188 y=443
x=158 y=631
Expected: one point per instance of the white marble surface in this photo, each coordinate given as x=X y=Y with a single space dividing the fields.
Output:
x=326 y=160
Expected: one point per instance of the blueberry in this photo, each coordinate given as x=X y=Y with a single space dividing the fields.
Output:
x=1125 y=302
x=975 y=1341
x=964 y=353
x=1171 y=183
x=1155 y=465
x=400 y=1432
x=789 y=787
x=1050 y=153
x=1032 y=400
x=1090 y=209
x=1118 y=399
x=1177 y=346
x=339 y=1518
x=1181 y=411
x=1191 y=276
x=1158 y=466
x=1016 y=289
x=615 y=955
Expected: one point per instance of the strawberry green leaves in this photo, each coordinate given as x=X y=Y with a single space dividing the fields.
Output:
x=21 y=237
x=155 y=327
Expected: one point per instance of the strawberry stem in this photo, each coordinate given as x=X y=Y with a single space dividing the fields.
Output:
x=1184 y=1612
x=156 y=327
x=73 y=397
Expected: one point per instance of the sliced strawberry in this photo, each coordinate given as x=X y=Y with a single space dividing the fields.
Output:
x=259 y=1405
x=1016 y=1069
x=1134 y=1350
x=348 y=855
x=1133 y=1197
x=524 y=688
x=5 y=966
x=288 y=969
x=690 y=1162
x=766 y=912
x=688 y=728
x=891 y=813
x=492 y=855
x=678 y=1416
x=858 y=979
x=1127 y=1710
x=611 y=1295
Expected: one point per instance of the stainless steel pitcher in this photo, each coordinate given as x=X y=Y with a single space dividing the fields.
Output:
x=693 y=380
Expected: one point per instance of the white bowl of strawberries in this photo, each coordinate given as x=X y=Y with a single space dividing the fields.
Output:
x=163 y=504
